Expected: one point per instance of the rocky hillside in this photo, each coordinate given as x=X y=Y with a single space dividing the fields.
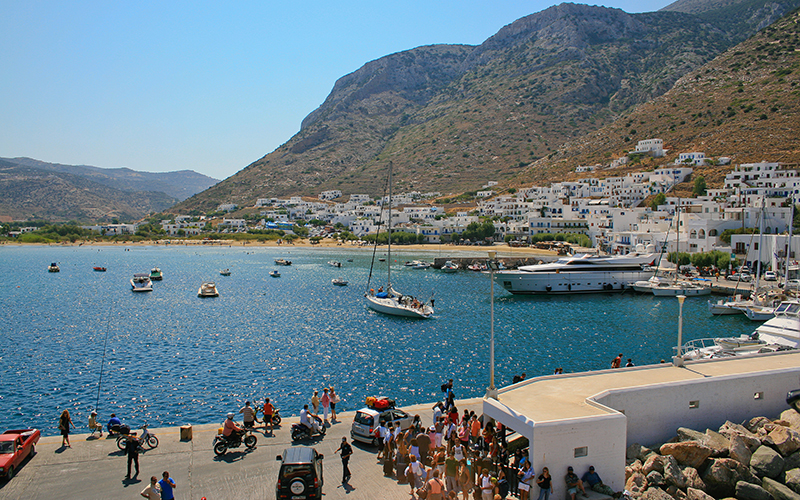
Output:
x=178 y=184
x=30 y=193
x=745 y=104
x=453 y=117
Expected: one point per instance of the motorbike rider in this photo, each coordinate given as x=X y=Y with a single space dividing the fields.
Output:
x=229 y=429
x=309 y=420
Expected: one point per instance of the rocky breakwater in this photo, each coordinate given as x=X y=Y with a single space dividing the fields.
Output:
x=756 y=460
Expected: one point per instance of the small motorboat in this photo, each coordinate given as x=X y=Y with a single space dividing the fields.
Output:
x=53 y=268
x=99 y=269
x=156 y=274
x=275 y=273
x=208 y=289
x=449 y=267
x=420 y=265
x=225 y=272
x=283 y=262
x=141 y=283
x=349 y=260
x=334 y=263
x=339 y=282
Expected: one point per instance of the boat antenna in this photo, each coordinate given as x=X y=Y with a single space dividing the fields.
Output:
x=102 y=363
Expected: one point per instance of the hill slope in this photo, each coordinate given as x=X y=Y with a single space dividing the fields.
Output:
x=179 y=184
x=745 y=104
x=31 y=193
x=453 y=117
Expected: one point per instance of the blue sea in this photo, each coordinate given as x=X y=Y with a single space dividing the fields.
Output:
x=82 y=340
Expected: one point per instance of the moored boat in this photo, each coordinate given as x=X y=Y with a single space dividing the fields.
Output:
x=334 y=263
x=225 y=272
x=449 y=267
x=684 y=288
x=141 y=283
x=275 y=273
x=579 y=274
x=208 y=289
x=283 y=262
x=339 y=281
x=156 y=274
x=99 y=269
x=53 y=268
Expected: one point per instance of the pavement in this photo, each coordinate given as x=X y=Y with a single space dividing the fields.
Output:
x=95 y=468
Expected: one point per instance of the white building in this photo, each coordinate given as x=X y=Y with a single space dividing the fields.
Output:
x=692 y=159
x=655 y=147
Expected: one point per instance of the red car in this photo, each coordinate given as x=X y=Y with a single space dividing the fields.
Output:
x=15 y=446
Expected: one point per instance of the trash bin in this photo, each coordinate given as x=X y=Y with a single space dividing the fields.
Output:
x=186 y=432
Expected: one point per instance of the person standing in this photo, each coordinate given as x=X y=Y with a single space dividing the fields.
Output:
x=315 y=402
x=545 y=486
x=435 y=487
x=132 y=445
x=248 y=415
x=451 y=472
x=525 y=476
x=334 y=399
x=345 y=450
x=167 y=484
x=153 y=490
x=63 y=425
x=268 y=411
x=326 y=405
x=487 y=488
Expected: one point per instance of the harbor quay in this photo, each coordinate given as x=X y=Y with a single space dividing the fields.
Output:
x=573 y=419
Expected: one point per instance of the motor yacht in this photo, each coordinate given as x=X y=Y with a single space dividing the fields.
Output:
x=141 y=283
x=208 y=289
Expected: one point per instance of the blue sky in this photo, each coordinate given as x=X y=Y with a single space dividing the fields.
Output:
x=205 y=86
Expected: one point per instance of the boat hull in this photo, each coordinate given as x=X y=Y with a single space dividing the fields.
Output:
x=392 y=307
x=674 y=291
x=555 y=283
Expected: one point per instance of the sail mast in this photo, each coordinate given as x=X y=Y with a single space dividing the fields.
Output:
x=389 y=260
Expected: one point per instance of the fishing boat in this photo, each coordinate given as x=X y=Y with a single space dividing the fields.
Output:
x=208 y=289
x=225 y=272
x=390 y=301
x=339 y=282
x=421 y=265
x=156 y=274
x=275 y=273
x=449 y=267
x=53 y=268
x=581 y=273
x=141 y=283
x=283 y=262
x=99 y=269
x=334 y=263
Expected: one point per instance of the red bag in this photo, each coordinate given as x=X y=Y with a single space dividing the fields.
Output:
x=382 y=404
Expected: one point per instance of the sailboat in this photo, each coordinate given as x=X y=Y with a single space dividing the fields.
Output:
x=679 y=287
x=390 y=301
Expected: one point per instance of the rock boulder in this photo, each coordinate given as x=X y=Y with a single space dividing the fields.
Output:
x=784 y=439
x=722 y=475
x=686 y=434
x=691 y=453
x=695 y=494
x=655 y=494
x=636 y=484
x=747 y=491
x=792 y=417
x=739 y=451
x=792 y=479
x=779 y=491
x=767 y=462
x=718 y=443
x=692 y=479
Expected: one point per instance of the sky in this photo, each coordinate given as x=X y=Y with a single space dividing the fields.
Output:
x=204 y=86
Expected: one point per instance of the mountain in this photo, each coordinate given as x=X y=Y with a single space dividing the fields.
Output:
x=452 y=117
x=179 y=184
x=33 y=193
x=745 y=104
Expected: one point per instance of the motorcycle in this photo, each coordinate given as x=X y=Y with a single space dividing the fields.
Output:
x=276 y=417
x=222 y=443
x=300 y=431
x=146 y=439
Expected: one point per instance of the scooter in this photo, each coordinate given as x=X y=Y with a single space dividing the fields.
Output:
x=235 y=440
x=300 y=431
x=146 y=439
x=276 y=417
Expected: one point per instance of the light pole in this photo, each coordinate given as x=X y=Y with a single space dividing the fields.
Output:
x=491 y=392
x=677 y=360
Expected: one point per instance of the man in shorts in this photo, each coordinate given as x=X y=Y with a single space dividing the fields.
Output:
x=574 y=484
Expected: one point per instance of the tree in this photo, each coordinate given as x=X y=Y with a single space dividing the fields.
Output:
x=659 y=199
x=699 y=186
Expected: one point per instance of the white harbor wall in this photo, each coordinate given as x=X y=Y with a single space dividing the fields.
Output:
x=654 y=412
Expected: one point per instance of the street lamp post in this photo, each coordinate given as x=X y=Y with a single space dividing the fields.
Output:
x=491 y=392
x=677 y=360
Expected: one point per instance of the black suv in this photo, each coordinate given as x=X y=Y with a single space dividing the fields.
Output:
x=300 y=477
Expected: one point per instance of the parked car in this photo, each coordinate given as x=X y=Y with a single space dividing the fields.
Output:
x=366 y=423
x=300 y=475
x=770 y=276
x=15 y=446
x=739 y=277
x=793 y=283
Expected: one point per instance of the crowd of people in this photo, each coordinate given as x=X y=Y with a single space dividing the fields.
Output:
x=466 y=454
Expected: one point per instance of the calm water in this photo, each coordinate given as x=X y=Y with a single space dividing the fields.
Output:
x=173 y=358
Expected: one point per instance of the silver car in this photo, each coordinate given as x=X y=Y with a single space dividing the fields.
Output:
x=366 y=423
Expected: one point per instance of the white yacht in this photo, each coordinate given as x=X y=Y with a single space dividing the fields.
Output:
x=579 y=274
x=141 y=283
x=685 y=288
x=782 y=332
x=449 y=267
